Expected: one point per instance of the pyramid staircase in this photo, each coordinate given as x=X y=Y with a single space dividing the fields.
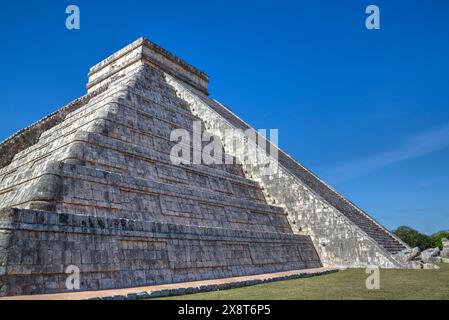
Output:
x=372 y=228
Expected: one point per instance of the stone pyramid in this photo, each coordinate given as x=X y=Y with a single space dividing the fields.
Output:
x=93 y=186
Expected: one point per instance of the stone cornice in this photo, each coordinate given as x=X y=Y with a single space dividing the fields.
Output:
x=146 y=51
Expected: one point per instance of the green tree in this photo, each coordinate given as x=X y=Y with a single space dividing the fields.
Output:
x=436 y=238
x=414 y=238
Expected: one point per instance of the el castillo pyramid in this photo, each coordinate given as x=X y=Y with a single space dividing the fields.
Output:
x=93 y=185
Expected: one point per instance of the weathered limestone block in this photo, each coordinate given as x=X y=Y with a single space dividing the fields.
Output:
x=445 y=251
x=115 y=253
x=430 y=266
x=407 y=255
x=429 y=254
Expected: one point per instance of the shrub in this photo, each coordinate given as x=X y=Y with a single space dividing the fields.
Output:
x=436 y=238
x=414 y=238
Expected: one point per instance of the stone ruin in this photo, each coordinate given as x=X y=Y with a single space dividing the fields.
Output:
x=445 y=251
x=92 y=186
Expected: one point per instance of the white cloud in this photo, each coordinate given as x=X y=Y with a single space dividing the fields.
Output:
x=416 y=146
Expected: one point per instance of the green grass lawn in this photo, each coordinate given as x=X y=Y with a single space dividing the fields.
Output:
x=347 y=285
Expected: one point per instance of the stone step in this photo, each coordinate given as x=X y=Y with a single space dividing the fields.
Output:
x=188 y=192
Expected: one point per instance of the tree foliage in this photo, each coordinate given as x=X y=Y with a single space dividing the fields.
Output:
x=436 y=238
x=416 y=239
x=413 y=238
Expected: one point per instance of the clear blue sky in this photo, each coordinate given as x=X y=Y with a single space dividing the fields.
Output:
x=368 y=111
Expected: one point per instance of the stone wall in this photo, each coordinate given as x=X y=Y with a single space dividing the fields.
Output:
x=36 y=247
x=145 y=51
